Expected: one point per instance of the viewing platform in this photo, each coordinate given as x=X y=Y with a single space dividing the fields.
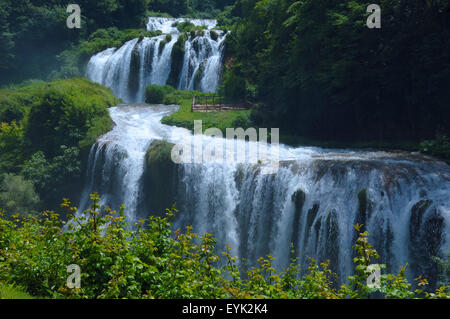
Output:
x=215 y=103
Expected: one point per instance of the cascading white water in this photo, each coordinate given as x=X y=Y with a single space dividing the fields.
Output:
x=313 y=200
x=116 y=161
x=140 y=62
x=202 y=54
x=112 y=69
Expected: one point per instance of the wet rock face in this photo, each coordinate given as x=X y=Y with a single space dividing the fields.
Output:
x=177 y=57
x=298 y=198
x=133 y=80
x=426 y=236
x=160 y=179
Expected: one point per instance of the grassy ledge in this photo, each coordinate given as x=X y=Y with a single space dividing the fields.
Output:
x=221 y=119
x=185 y=118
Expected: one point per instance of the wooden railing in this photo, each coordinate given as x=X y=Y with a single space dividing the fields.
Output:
x=213 y=103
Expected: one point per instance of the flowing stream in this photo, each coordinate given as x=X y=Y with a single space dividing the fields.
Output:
x=312 y=200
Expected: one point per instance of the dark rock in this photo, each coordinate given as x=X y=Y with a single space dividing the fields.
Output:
x=160 y=179
x=426 y=236
x=214 y=35
x=298 y=198
x=177 y=56
x=133 y=79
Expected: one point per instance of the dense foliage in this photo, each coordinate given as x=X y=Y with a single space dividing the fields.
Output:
x=153 y=261
x=322 y=73
x=46 y=130
x=73 y=62
x=33 y=33
x=439 y=147
x=191 y=8
x=158 y=94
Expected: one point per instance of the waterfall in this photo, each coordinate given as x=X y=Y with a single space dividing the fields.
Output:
x=312 y=201
x=139 y=62
x=116 y=161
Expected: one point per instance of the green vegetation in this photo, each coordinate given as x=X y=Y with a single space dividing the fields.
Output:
x=166 y=94
x=46 y=131
x=439 y=147
x=444 y=270
x=34 y=32
x=156 y=262
x=200 y=9
x=158 y=94
x=321 y=74
x=221 y=119
x=73 y=61
x=17 y=195
x=188 y=26
x=12 y=292
x=160 y=177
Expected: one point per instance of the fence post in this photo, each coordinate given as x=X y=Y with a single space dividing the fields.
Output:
x=193 y=103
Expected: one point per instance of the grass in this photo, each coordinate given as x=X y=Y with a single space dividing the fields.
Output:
x=230 y=119
x=234 y=119
x=221 y=119
x=9 y=291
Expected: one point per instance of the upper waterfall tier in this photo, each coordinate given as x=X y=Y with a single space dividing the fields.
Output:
x=189 y=61
x=168 y=25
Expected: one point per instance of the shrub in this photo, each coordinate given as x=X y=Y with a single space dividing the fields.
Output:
x=11 y=147
x=58 y=122
x=187 y=26
x=243 y=121
x=67 y=111
x=156 y=94
x=153 y=261
x=439 y=147
x=51 y=177
x=10 y=291
x=17 y=196
x=233 y=87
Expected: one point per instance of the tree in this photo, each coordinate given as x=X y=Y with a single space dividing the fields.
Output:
x=324 y=75
x=17 y=196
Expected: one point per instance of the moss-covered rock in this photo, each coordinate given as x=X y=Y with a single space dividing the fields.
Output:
x=163 y=43
x=160 y=179
x=133 y=79
x=426 y=231
x=177 y=56
x=214 y=35
x=199 y=75
x=298 y=198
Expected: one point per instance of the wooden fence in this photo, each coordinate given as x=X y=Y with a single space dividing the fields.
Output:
x=214 y=103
